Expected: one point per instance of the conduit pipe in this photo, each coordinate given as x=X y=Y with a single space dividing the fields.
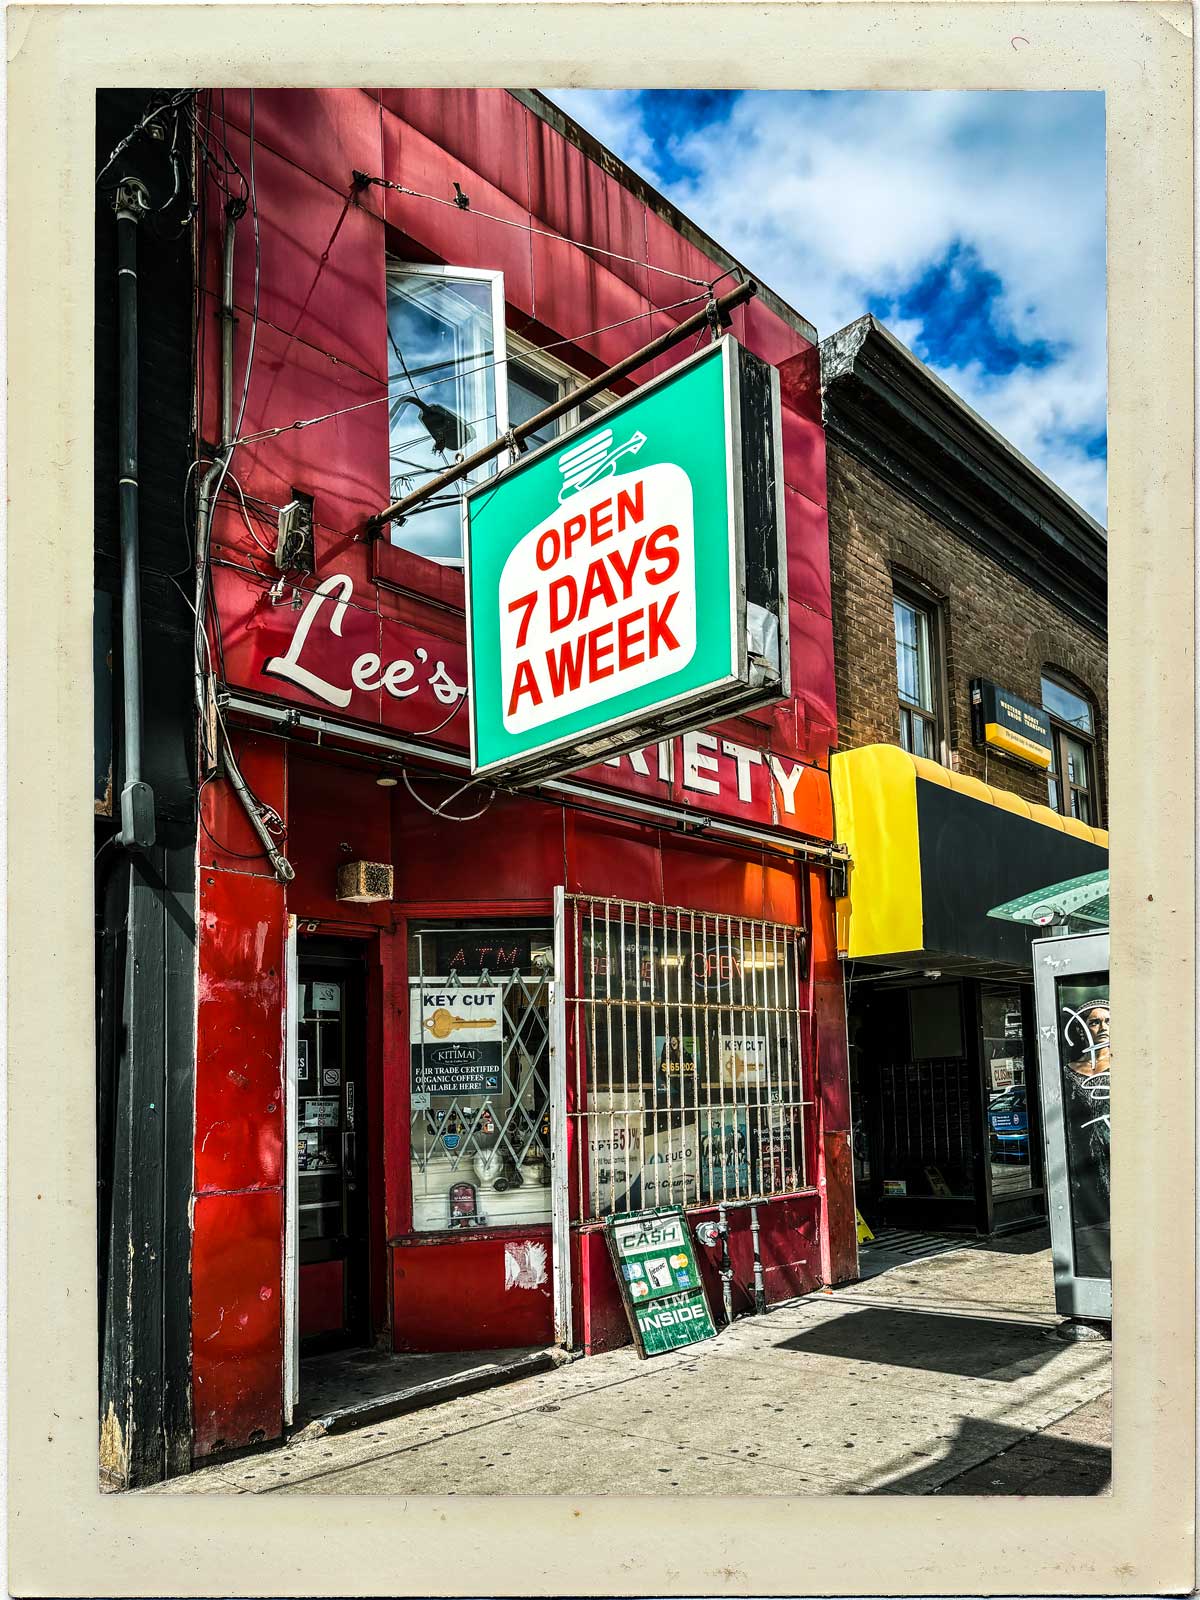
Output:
x=210 y=486
x=132 y=201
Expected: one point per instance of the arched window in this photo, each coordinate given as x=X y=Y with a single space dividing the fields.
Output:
x=1072 y=774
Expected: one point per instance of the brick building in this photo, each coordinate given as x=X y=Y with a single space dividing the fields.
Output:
x=969 y=605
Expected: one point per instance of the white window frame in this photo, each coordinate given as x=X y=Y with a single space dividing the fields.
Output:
x=416 y=269
x=533 y=356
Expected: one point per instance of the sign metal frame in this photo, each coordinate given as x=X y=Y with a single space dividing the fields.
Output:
x=751 y=681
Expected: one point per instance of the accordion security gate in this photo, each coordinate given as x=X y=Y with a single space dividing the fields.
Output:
x=678 y=1075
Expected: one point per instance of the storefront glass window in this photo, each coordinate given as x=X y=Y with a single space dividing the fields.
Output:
x=1071 y=777
x=1066 y=706
x=444 y=327
x=684 y=1034
x=1006 y=1092
x=479 y=1065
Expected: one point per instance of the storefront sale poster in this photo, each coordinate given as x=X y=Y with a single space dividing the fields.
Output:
x=615 y=1152
x=456 y=1036
x=675 y=1065
x=631 y=1163
x=725 y=1155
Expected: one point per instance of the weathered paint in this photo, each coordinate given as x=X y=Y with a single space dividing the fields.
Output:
x=789 y=1250
x=327 y=352
x=452 y=1292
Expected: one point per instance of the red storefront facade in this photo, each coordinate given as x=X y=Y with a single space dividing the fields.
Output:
x=355 y=673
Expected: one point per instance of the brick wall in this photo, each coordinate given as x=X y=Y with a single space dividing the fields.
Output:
x=994 y=625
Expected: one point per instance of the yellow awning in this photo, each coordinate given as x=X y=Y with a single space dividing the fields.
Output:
x=932 y=850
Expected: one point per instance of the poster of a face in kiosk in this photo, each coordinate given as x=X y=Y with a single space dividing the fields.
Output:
x=1084 y=1056
x=1071 y=989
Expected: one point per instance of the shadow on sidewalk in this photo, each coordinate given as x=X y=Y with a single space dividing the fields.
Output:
x=1026 y=1243
x=1015 y=1464
x=963 y=1346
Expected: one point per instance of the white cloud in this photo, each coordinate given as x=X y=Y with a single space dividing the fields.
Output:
x=835 y=199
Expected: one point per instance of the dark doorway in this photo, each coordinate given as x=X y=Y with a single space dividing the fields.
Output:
x=331 y=1142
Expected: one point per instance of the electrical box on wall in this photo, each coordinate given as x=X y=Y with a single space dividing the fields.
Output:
x=294 y=544
x=364 y=882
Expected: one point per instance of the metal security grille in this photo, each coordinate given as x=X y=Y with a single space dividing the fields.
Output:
x=685 y=1080
x=926 y=1118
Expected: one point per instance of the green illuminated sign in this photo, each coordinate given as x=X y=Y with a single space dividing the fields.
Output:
x=659 y=1280
x=614 y=594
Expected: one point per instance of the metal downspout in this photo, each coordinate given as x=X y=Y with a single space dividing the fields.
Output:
x=137 y=798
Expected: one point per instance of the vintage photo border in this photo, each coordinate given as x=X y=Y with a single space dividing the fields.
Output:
x=68 y=1539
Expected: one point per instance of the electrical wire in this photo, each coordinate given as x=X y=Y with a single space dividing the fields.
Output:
x=361 y=405
x=543 y=233
x=439 y=811
x=426 y=733
x=253 y=203
x=246 y=519
x=156 y=111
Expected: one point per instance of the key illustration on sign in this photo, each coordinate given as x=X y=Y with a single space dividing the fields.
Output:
x=444 y=1063
x=442 y=1023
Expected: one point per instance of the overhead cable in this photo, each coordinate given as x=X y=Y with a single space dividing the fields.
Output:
x=460 y=372
x=462 y=203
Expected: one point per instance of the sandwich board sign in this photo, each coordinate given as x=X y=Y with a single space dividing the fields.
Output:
x=628 y=580
x=660 y=1283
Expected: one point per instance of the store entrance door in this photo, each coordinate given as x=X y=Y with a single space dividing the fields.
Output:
x=331 y=1149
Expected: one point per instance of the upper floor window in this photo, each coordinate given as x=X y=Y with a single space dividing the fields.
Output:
x=445 y=340
x=536 y=380
x=456 y=383
x=1072 y=776
x=917 y=674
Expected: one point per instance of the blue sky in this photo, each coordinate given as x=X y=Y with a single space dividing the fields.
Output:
x=971 y=222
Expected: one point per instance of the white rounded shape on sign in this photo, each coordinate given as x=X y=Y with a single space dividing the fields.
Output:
x=599 y=598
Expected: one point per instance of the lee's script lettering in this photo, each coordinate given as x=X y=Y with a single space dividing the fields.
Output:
x=367 y=671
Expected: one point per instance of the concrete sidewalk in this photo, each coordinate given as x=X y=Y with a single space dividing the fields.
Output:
x=938 y=1375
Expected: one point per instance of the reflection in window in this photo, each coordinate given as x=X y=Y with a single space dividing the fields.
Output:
x=915 y=676
x=443 y=327
x=537 y=380
x=531 y=391
x=1070 y=780
x=1009 y=1139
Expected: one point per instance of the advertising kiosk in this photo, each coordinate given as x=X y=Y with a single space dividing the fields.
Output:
x=1070 y=975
